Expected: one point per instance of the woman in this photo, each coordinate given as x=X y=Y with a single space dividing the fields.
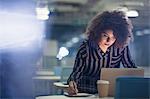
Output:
x=106 y=47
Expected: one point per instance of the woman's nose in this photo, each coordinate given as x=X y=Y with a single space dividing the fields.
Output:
x=108 y=39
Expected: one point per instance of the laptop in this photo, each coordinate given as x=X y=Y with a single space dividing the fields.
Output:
x=110 y=74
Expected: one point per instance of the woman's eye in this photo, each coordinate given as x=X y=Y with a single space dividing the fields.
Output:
x=105 y=35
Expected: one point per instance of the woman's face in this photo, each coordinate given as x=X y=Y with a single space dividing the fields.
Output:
x=107 y=39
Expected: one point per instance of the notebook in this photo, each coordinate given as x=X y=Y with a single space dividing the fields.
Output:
x=78 y=95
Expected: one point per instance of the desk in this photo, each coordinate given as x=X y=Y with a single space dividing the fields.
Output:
x=65 y=97
x=43 y=85
x=53 y=78
x=45 y=73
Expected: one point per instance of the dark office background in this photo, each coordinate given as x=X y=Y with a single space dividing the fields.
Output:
x=67 y=19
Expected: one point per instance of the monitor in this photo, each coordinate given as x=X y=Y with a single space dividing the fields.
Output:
x=132 y=88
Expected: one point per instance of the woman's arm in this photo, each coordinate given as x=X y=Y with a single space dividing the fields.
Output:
x=77 y=70
x=79 y=64
x=126 y=59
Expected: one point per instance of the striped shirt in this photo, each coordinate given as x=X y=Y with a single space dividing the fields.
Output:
x=89 y=61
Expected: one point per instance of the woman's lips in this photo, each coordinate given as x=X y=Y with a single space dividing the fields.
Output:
x=107 y=44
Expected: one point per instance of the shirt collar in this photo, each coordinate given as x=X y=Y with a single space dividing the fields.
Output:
x=96 y=46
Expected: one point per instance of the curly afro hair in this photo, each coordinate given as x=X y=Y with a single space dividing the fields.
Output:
x=114 y=20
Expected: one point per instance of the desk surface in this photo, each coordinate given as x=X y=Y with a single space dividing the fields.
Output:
x=45 y=73
x=47 y=77
x=65 y=97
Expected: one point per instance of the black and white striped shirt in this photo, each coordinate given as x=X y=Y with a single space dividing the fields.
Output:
x=89 y=61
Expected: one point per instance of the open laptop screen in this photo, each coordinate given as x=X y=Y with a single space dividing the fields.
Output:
x=110 y=74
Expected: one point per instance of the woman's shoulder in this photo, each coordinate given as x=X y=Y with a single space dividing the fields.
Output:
x=83 y=47
x=84 y=43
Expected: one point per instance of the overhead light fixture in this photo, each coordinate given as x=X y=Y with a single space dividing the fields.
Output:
x=42 y=17
x=129 y=13
x=132 y=13
x=75 y=39
x=42 y=13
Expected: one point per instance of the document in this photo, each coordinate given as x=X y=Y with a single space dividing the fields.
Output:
x=61 y=85
x=78 y=95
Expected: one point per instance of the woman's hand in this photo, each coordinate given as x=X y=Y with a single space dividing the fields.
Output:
x=72 y=90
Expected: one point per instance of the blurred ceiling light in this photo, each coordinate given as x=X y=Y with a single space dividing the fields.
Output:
x=146 y=31
x=75 y=39
x=132 y=13
x=125 y=9
x=42 y=13
x=139 y=33
x=69 y=44
x=63 y=51
x=133 y=3
x=16 y=30
x=42 y=17
x=20 y=42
